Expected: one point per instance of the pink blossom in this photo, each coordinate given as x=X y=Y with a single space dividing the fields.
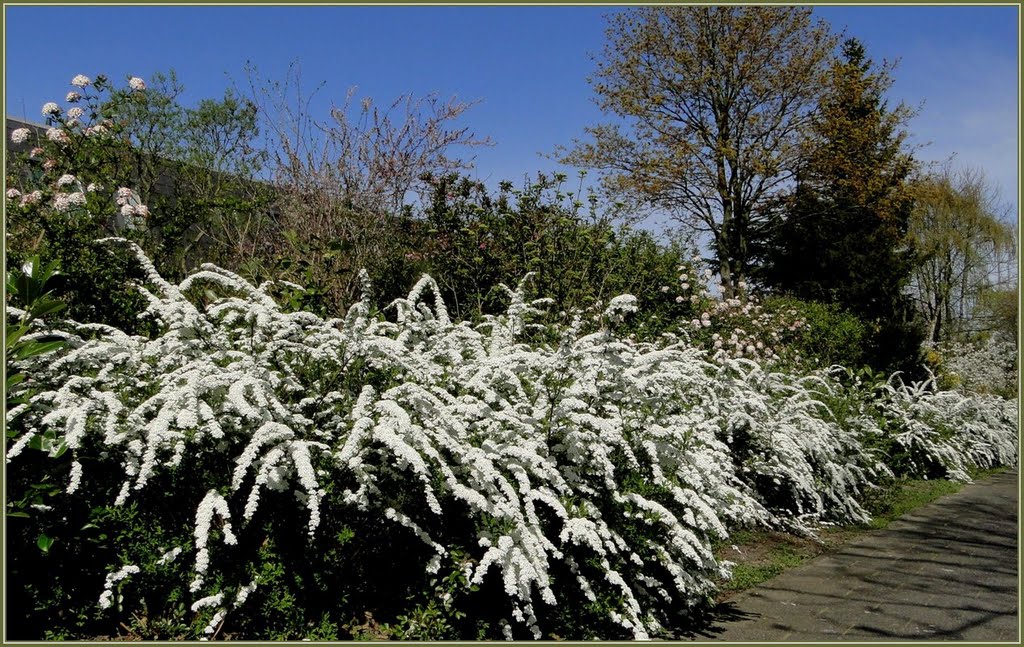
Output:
x=73 y=97
x=81 y=81
x=31 y=198
x=135 y=83
x=13 y=193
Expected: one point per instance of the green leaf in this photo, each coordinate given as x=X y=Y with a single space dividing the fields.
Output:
x=44 y=543
x=43 y=307
x=19 y=514
x=14 y=334
x=59 y=451
x=36 y=348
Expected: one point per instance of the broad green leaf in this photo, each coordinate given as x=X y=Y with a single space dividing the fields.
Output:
x=44 y=543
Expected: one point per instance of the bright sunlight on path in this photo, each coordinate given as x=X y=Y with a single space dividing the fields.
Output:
x=947 y=571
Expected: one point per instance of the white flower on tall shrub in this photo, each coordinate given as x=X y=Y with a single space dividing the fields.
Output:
x=31 y=198
x=58 y=136
x=20 y=135
x=50 y=109
x=81 y=81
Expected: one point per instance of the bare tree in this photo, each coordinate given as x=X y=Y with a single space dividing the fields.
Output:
x=348 y=178
x=713 y=100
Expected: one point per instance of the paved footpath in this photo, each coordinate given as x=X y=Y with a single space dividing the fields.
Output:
x=946 y=571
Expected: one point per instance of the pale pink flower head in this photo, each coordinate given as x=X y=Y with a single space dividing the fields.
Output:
x=66 y=179
x=77 y=198
x=142 y=210
x=81 y=81
x=50 y=109
x=20 y=135
x=36 y=152
x=31 y=198
x=93 y=187
x=13 y=194
x=61 y=202
x=137 y=84
x=58 y=136
x=49 y=165
x=127 y=210
x=73 y=97
x=75 y=113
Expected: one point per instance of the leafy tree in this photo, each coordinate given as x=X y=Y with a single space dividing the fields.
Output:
x=843 y=237
x=474 y=241
x=961 y=238
x=713 y=100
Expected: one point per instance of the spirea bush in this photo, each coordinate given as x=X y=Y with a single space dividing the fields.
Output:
x=250 y=472
x=983 y=366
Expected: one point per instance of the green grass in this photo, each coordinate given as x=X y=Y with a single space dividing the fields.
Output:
x=747 y=575
x=763 y=555
x=893 y=502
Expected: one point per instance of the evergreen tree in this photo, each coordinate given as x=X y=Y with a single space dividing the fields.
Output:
x=842 y=234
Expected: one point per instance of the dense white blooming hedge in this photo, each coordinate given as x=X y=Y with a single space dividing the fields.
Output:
x=987 y=366
x=598 y=467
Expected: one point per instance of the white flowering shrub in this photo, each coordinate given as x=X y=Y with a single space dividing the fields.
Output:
x=790 y=449
x=942 y=433
x=984 y=366
x=258 y=473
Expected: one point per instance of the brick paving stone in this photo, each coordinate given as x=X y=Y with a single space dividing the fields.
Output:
x=946 y=571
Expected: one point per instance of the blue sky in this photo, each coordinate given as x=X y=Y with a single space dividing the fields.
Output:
x=528 y=65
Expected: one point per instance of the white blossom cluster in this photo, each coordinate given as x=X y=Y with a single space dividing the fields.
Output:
x=983 y=366
x=556 y=454
x=951 y=430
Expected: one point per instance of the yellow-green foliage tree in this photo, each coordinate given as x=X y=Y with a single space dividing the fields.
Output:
x=961 y=240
